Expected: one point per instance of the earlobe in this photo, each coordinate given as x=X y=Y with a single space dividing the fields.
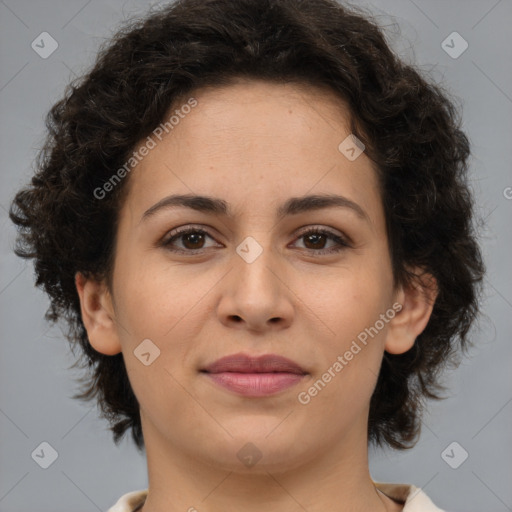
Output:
x=417 y=301
x=98 y=315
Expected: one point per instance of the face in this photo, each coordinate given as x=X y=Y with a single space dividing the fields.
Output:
x=306 y=284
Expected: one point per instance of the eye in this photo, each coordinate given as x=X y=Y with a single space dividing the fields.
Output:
x=317 y=236
x=193 y=239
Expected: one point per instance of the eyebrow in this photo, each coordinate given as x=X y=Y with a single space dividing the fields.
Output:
x=292 y=206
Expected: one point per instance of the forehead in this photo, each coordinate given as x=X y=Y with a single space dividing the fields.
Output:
x=254 y=142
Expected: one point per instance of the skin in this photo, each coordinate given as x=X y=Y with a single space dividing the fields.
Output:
x=254 y=144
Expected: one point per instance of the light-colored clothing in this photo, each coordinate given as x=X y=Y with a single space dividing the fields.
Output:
x=413 y=498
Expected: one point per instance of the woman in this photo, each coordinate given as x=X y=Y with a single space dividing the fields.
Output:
x=255 y=220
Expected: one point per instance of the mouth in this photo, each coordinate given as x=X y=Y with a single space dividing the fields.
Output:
x=255 y=376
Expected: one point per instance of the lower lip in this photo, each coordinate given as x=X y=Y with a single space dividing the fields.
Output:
x=255 y=384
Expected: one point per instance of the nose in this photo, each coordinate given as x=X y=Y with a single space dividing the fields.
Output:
x=256 y=293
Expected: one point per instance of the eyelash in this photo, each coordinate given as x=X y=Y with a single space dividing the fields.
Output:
x=180 y=232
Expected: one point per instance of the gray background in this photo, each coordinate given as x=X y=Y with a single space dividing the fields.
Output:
x=90 y=473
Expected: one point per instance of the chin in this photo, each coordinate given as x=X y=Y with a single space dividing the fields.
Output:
x=257 y=451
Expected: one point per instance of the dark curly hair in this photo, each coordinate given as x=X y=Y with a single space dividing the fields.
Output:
x=410 y=127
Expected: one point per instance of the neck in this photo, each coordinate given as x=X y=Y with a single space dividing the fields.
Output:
x=337 y=479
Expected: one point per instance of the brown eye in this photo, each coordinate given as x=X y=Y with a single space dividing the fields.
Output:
x=192 y=239
x=316 y=238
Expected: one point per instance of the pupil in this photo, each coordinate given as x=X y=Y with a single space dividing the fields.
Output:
x=316 y=238
x=196 y=236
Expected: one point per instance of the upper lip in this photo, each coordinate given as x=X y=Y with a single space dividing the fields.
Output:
x=243 y=363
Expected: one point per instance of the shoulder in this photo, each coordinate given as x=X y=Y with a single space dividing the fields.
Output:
x=129 y=502
x=413 y=498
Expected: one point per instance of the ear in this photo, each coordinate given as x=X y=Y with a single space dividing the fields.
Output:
x=98 y=315
x=417 y=301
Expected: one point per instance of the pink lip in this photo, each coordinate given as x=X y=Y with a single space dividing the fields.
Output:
x=255 y=376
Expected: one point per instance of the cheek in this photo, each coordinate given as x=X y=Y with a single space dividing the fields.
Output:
x=351 y=307
x=153 y=295
x=164 y=303
x=350 y=302
x=351 y=357
x=158 y=323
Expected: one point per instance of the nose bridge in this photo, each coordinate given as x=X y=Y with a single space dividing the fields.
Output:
x=254 y=292
x=256 y=258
